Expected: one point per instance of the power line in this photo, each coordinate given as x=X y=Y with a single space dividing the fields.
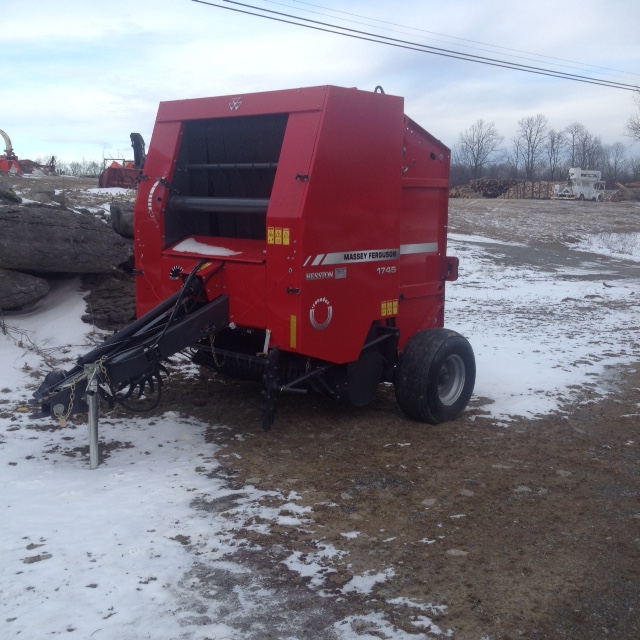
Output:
x=444 y=35
x=413 y=46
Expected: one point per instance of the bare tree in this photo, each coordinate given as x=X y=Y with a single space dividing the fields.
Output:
x=554 y=147
x=633 y=124
x=615 y=163
x=590 y=152
x=514 y=156
x=476 y=145
x=86 y=168
x=583 y=148
x=532 y=132
x=574 y=132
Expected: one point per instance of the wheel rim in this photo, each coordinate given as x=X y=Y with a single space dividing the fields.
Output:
x=451 y=378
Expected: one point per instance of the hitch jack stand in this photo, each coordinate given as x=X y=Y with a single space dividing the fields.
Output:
x=93 y=400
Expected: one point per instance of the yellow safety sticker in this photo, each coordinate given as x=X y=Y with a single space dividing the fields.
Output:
x=285 y=236
x=270 y=235
x=278 y=235
x=388 y=308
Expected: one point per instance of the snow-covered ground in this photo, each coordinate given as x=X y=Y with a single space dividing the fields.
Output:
x=537 y=336
x=121 y=552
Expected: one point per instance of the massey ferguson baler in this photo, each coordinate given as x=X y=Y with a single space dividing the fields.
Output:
x=297 y=238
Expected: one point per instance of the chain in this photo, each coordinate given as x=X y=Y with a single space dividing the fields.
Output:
x=101 y=366
x=72 y=397
x=212 y=340
x=63 y=417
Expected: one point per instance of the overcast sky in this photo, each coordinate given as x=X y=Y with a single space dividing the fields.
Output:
x=77 y=76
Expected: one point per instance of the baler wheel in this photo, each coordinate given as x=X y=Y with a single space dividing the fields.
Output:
x=435 y=376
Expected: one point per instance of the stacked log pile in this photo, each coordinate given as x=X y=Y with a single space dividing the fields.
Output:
x=508 y=188
x=625 y=193
x=462 y=191
x=522 y=189
x=491 y=188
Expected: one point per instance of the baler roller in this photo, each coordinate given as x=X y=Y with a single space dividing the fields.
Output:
x=231 y=165
x=190 y=204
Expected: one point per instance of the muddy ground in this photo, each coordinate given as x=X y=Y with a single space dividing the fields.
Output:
x=530 y=530
x=525 y=531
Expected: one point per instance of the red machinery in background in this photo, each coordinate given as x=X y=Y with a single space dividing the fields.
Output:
x=297 y=238
x=10 y=164
x=125 y=173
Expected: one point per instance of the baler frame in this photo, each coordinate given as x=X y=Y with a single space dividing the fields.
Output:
x=259 y=219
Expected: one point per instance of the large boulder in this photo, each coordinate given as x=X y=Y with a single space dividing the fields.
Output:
x=7 y=194
x=19 y=289
x=45 y=240
x=122 y=218
x=111 y=301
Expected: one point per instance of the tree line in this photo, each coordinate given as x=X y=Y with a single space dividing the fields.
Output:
x=536 y=152
x=80 y=169
x=539 y=152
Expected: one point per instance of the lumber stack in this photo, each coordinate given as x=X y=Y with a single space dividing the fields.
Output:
x=525 y=189
x=492 y=188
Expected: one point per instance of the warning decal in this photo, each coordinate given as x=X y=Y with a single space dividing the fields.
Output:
x=278 y=235
x=388 y=308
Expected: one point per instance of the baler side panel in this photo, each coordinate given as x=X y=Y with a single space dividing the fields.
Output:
x=424 y=220
x=350 y=233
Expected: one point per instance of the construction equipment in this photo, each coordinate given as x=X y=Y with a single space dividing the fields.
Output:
x=296 y=238
x=9 y=162
x=583 y=184
x=124 y=173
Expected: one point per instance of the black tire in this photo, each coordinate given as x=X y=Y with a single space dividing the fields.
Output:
x=435 y=376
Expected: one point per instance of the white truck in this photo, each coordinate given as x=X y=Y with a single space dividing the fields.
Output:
x=583 y=184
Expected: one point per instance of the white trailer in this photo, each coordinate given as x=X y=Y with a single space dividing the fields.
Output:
x=583 y=184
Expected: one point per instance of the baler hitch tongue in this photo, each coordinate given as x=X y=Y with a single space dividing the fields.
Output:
x=130 y=361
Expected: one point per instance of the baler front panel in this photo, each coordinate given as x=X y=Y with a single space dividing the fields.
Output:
x=234 y=266
x=284 y=227
x=151 y=201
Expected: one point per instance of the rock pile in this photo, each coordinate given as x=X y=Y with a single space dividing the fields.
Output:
x=40 y=241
